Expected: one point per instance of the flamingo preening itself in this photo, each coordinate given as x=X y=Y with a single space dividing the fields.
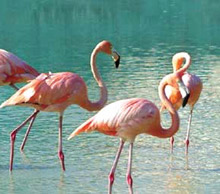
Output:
x=131 y=117
x=192 y=82
x=54 y=92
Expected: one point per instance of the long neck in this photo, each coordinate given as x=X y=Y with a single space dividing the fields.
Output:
x=187 y=63
x=92 y=106
x=165 y=133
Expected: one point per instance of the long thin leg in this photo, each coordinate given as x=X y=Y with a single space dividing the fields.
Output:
x=29 y=127
x=171 y=144
x=14 y=86
x=188 y=131
x=112 y=172
x=27 y=132
x=60 y=152
x=13 y=137
x=129 y=178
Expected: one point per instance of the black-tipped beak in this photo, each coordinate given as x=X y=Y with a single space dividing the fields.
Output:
x=185 y=100
x=184 y=92
x=117 y=62
x=116 y=57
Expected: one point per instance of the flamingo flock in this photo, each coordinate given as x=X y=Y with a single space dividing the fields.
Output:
x=125 y=119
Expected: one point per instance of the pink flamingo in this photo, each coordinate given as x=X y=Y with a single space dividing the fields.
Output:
x=192 y=82
x=54 y=92
x=13 y=70
x=131 y=117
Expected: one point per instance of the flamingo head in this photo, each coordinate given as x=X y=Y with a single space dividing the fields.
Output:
x=106 y=47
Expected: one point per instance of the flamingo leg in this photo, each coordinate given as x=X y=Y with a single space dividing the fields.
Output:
x=13 y=137
x=171 y=144
x=129 y=178
x=27 y=132
x=60 y=152
x=14 y=86
x=188 y=131
x=112 y=172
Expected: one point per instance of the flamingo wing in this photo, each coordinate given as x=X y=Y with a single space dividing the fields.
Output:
x=194 y=84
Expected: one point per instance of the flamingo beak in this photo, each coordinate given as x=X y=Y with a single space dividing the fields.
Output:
x=184 y=92
x=116 y=57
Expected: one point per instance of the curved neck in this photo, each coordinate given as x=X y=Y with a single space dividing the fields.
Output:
x=165 y=133
x=92 y=106
x=187 y=63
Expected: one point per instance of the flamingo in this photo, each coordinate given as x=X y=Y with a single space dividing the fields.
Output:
x=13 y=70
x=130 y=117
x=54 y=92
x=192 y=82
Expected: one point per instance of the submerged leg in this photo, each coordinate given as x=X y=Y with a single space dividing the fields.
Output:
x=28 y=131
x=129 y=178
x=60 y=152
x=14 y=86
x=13 y=137
x=112 y=172
x=188 y=131
x=171 y=144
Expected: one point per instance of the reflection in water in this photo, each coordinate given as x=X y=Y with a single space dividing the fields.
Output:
x=178 y=178
x=171 y=165
x=61 y=184
x=25 y=158
x=11 y=184
x=187 y=162
x=175 y=181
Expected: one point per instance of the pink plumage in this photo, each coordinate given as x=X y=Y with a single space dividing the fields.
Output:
x=51 y=92
x=125 y=118
x=192 y=82
x=54 y=92
x=130 y=117
x=14 y=70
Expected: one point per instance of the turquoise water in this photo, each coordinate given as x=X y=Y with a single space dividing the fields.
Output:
x=58 y=36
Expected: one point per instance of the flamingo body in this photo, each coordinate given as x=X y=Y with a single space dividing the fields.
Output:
x=125 y=119
x=52 y=92
x=193 y=83
x=14 y=70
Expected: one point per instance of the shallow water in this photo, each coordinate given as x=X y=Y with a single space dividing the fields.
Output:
x=59 y=36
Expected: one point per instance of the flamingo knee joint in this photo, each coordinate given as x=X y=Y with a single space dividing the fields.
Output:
x=129 y=180
x=111 y=178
